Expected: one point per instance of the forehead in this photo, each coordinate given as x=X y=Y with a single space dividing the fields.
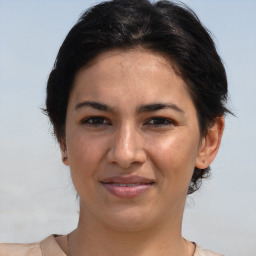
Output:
x=120 y=75
x=148 y=60
x=130 y=55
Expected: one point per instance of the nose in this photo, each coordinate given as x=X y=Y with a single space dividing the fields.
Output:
x=126 y=148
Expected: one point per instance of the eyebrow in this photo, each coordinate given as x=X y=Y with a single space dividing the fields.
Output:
x=159 y=106
x=94 y=105
x=144 y=108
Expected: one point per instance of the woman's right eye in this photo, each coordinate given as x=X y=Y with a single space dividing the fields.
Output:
x=95 y=121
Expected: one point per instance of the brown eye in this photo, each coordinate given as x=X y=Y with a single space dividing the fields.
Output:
x=159 y=121
x=95 y=121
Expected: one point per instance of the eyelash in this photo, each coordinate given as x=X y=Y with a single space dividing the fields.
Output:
x=99 y=120
x=95 y=121
x=163 y=121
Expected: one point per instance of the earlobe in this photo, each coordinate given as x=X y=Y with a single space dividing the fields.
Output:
x=210 y=144
x=65 y=161
x=64 y=154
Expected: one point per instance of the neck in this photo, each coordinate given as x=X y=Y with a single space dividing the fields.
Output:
x=93 y=239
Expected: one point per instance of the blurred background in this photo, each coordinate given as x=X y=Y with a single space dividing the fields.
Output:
x=36 y=194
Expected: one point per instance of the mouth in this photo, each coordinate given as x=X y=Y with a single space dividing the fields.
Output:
x=127 y=187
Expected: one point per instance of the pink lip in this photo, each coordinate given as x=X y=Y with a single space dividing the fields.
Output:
x=120 y=186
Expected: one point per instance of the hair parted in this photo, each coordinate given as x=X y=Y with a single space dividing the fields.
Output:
x=170 y=29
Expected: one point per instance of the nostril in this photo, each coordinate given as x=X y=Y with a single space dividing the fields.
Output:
x=126 y=148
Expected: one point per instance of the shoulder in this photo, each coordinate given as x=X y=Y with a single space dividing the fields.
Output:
x=47 y=247
x=202 y=252
x=32 y=249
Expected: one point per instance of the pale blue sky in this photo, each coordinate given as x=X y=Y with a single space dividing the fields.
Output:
x=34 y=187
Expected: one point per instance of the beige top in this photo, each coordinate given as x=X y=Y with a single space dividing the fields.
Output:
x=50 y=247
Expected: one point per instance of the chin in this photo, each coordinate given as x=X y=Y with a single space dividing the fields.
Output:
x=128 y=219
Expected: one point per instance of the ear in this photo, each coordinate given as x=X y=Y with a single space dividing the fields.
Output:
x=64 y=153
x=210 y=144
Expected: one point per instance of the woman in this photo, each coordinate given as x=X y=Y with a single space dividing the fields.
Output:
x=137 y=101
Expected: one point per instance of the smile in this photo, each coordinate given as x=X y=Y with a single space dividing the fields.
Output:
x=127 y=187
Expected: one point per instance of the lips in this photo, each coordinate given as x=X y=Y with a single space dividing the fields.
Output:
x=127 y=187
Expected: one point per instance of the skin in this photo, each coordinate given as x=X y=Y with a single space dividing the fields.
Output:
x=163 y=145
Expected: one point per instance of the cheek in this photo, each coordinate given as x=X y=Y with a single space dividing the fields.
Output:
x=174 y=155
x=85 y=155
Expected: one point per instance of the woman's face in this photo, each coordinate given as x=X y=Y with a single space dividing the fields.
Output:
x=132 y=139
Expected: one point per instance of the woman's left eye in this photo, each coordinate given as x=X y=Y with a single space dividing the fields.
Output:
x=159 y=121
